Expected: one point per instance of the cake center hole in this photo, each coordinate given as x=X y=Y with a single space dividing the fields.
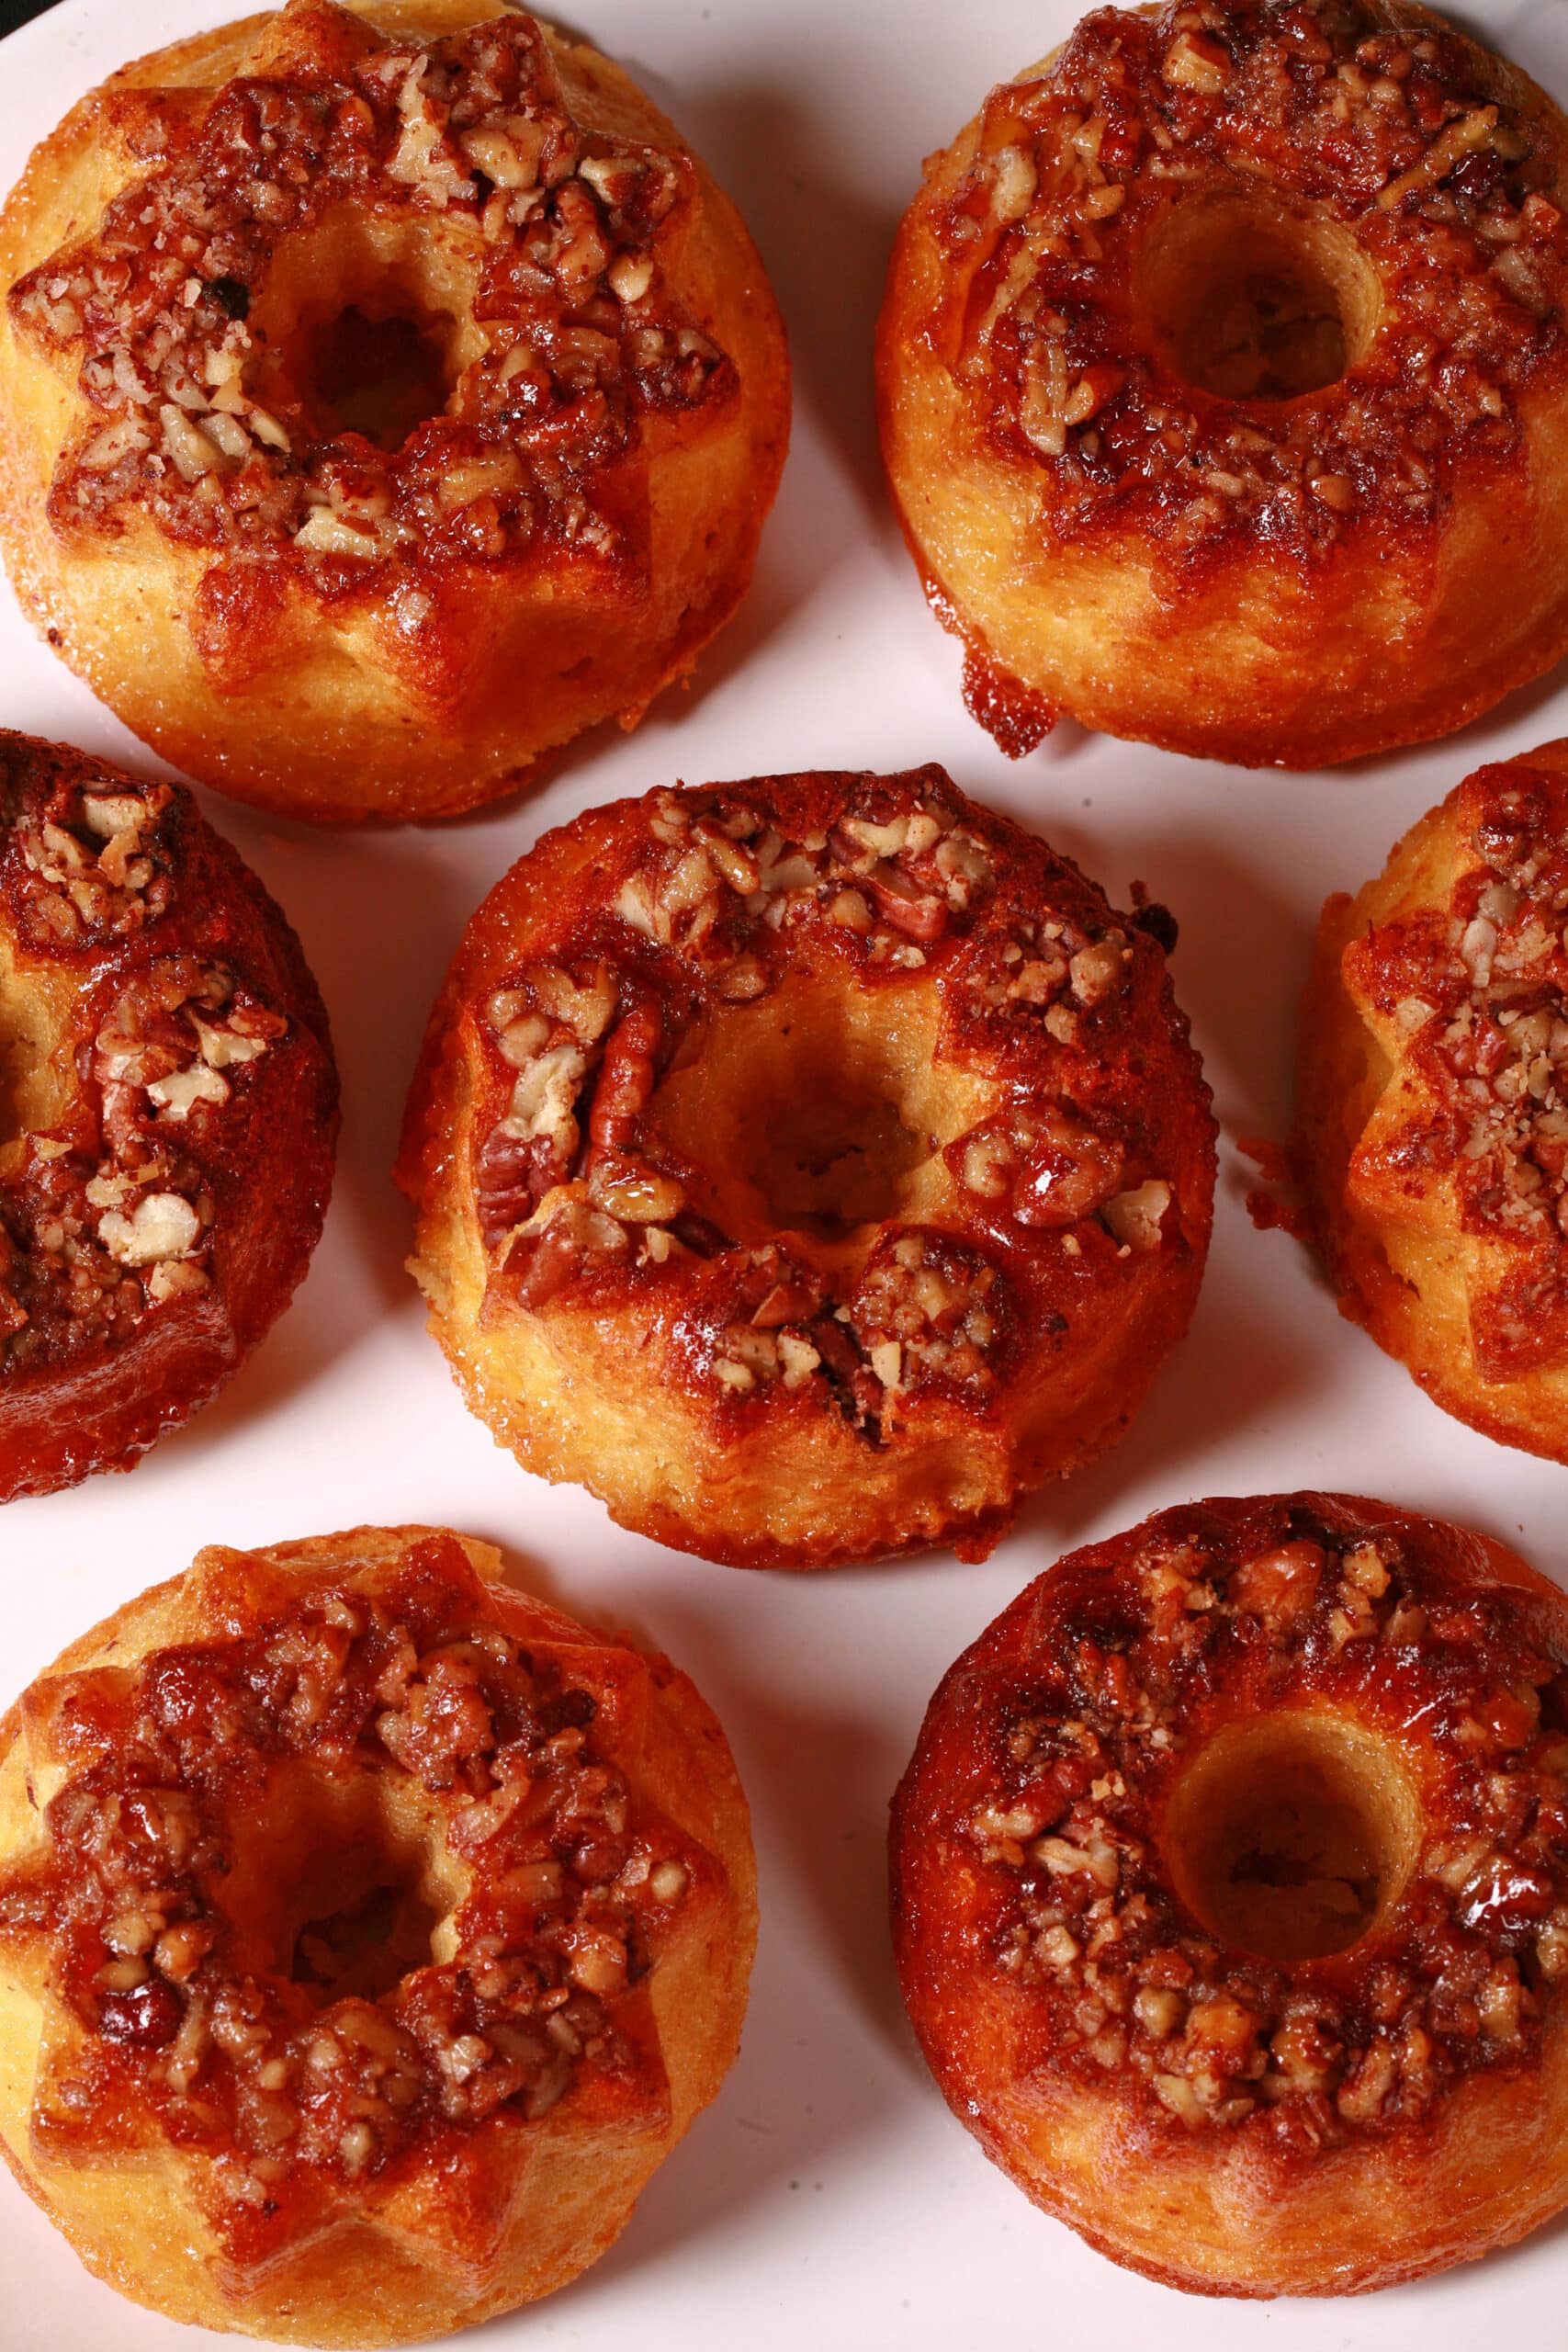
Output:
x=31 y=1094
x=808 y=1112
x=1291 y=1837
x=379 y=376
x=366 y=1946
x=355 y=331
x=834 y=1156
x=333 y=1894
x=16 y=1061
x=1248 y=304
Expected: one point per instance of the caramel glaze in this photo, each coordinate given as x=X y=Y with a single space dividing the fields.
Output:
x=154 y=1225
x=181 y=2026
x=1335 y=110
x=190 y=420
x=1015 y=717
x=1086 y=1186
x=1028 y=1866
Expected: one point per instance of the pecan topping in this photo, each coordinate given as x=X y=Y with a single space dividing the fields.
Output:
x=1437 y=192
x=84 y=865
x=140 y=1016
x=1118 y=1670
x=893 y=883
x=297 y=2072
x=94 y=1245
x=204 y=407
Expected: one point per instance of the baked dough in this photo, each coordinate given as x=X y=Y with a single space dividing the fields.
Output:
x=369 y=1932
x=387 y=393
x=809 y=1166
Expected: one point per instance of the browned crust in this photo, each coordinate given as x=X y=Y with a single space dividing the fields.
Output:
x=362 y=2288
x=1231 y=2210
x=329 y=709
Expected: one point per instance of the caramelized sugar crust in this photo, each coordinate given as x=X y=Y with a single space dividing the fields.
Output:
x=441 y=2099
x=808 y=1166
x=1257 y=305
x=168 y=1114
x=1433 y=1101
x=1378 y=2090
x=402 y=358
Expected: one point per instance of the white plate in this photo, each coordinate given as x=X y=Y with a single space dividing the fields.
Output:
x=829 y=2198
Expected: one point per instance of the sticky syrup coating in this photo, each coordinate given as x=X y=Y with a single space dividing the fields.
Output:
x=1223 y=350
x=1231 y=1894
x=390 y=394
x=168 y=1114
x=1432 y=1139
x=369 y=1932
x=809 y=1166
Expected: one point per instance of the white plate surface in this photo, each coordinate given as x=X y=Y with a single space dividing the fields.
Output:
x=828 y=2199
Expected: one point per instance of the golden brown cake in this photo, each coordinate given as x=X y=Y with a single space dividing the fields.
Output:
x=369 y=1933
x=168 y=1114
x=1432 y=1139
x=808 y=1166
x=1231 y=1894
x=1224 y=384
x=387 y=393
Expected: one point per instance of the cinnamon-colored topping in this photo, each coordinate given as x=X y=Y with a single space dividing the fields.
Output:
x=199 y=419
x=1298 y=110
x=1113 y=1672
x=85 y=865
x=89 y=1247
x=289 y=2080
x=1479 y=992
x=718 y=905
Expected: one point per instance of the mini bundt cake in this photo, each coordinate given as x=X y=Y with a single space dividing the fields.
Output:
x=809 y=1166
x=1224 y=381
x=1231 y=1894
x=369 y=1932
x=168 y=1114
x=387 y=393
x=1432 y=1137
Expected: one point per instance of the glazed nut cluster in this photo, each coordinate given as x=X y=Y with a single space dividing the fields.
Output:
x=720 y=891
x=398 y=1669
x=1051 y=1170
x=1384 y=133
x=714 y=909
x=1080 y=1894
x=93 y=864
x=466 y=142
